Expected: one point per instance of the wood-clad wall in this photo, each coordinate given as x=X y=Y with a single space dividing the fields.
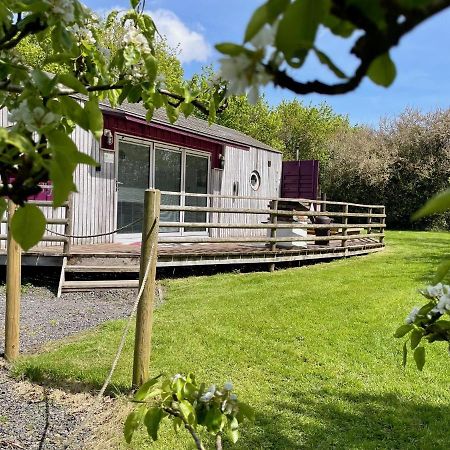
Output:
x=239 y=164
x=94 y=205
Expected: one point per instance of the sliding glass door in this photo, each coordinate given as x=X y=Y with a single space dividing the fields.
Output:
x=133 y=167
x=168 y=177
x=178 y=171
x=196 y=182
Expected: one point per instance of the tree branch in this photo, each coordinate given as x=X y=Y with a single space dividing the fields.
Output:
x=188 y=427
x=367 y=48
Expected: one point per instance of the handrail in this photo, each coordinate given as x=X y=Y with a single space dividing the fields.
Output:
x=283 y=199
x=266 y=211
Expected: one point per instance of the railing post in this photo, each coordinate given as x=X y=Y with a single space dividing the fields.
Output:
x=13 y=277
x=369 y=221
x=344 y=225
x=383 y=222
x=273 y=231
x=68 y=227
x=144 y=315
x=323 y=206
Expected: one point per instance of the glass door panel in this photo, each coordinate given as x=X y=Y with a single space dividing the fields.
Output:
x=132 y=178
x=196 y=182
x=168 y=178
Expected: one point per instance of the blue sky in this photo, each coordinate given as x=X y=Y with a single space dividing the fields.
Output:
x=422 y=58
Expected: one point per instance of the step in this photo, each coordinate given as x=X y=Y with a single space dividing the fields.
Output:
x=99 y=269
x=87 y=285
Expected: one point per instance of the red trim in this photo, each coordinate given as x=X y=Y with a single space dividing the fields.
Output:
x=137 y=127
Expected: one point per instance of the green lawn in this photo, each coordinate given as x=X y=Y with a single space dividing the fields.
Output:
x=311 y=349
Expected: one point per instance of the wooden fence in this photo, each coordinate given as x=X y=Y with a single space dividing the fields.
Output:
x=350 y=221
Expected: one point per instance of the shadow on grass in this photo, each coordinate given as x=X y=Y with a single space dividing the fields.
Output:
x=346 y=420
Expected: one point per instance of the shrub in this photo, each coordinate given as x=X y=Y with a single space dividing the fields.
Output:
x=401 y=164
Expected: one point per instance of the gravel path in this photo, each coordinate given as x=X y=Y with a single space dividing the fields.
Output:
x=46 y=318
x=32 y=417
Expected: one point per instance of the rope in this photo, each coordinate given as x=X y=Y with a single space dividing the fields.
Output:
x=77 y=236
x=119 y=349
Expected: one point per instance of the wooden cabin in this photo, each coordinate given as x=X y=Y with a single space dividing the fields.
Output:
x=226 y=198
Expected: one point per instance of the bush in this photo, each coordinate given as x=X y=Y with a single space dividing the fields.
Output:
x=401 y=164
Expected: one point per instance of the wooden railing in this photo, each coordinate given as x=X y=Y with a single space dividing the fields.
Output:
x=66 y=229
x=351 y=221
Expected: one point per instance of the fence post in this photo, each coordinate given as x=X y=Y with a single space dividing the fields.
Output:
x=344 y=225
x=273 y=231
x=144 y=315
x=369 y=221
x=13 y=276
x=383 y=222
x=68 y=227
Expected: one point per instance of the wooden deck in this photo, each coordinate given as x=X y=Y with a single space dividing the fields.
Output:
x=173 y=254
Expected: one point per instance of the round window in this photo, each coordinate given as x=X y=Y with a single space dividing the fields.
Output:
x=255 y=180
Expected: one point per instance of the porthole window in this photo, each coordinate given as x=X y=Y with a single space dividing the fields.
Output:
x=255 y=180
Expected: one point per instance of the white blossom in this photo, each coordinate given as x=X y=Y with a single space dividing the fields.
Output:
x=228 y=386
x=83 y=33
x=233 y=397
x=207 y=396
x=63 y=8
x=134 y=37
x=433 y=291
x=244 y=75
x=412 y=315
x=443 y=305
x=265 y=37
x=33 y=118
x=177 y=376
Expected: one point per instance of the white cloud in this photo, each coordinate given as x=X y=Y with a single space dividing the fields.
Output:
x=191 y=44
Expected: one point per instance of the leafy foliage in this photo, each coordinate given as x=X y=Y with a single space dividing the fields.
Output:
x=401 y=164
x=282 y=34
x=427 y=322
x=187 y=404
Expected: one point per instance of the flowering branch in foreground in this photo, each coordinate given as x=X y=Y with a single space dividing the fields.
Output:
x=427 y=322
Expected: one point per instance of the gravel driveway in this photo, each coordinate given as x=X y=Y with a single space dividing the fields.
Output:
x=34 y=418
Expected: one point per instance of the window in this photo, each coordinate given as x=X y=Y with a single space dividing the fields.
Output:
x=255 y=180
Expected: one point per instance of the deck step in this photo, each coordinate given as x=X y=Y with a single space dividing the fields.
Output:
x=101 y=269
x=87 y=285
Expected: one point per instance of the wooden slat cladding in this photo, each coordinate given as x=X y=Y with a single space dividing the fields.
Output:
x=235 y=180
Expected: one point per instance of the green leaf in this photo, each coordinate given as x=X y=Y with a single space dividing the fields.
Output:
x=338 y=27
x=3 y=207
x=144 y=390
x=416 y=337
x=28 y=225
x=188 y=411
x=74 y=112
x=133 y=421
x=228 y=48
x=298 y=27
x=95 y=118
x=442 y=271
x=172 y=113
x=259 y=18
x=439 y=203
x=72 y=82
x=326 y=60
x=213 y=419
x=151 y=64
x=44 y=83
x=382 y=71
x=404 y=329
x=419 y=357
x=405 y=354
x=152 y=420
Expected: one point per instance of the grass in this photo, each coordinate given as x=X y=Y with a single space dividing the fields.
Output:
x=310 y=348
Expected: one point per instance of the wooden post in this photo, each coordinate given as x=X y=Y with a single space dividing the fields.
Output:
x=273 y=231
x=323 y=206
x=369 y=221
x=383 y=221
x=144 y=316
x=68 y=227
x=13 y=276
x=344 y=225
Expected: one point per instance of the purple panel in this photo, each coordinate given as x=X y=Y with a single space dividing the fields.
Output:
x=300 y=179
